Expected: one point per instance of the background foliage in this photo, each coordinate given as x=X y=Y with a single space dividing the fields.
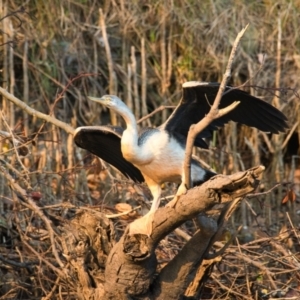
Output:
x=55 y=53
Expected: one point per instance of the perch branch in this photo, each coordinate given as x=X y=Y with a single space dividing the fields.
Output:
x=134 y=254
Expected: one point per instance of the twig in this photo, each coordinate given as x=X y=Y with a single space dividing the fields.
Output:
x=15 y=146
x=23 y=194
x=144 y=81
x=15 y=14
x=278 y=61
x=26 y=85
x=15 y=172
x=18 y=143
x=112 y=76
x=66 y=87
x=229 y=290
x=226 y=213
x=137 y=110
x=268 y=142
x=18 y=264
x=164 y=79
x=56 y=270
x=249 y=196
x=293 y=227
x=11 y=75
x=6 y=42
x=111 y=216
x=162 y=107
x=50 y=294
x=69 y=129
x=277 y=163
x=129 y=89
x=182 y=234
x=289 y=135
x=260 y=266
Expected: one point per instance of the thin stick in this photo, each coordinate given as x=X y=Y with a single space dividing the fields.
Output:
x=277 y=163
x=3 y=9
x=26 y=85
x=278 y=63
x=164 y=81
x=113 y=216
x=69 y=129
x=137 y=109
x=170 y=52
x=95 y=51
x=112 y=75
x=22 y=193
x=129 y=89
x=283 y=145
x=213 y=114
x=268 y=142
x=163 y=51
x=11 y=75
x=14 y=145
x=162 y=107
x=144 y=82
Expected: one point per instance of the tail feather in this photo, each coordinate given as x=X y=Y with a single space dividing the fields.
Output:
x=208 y=174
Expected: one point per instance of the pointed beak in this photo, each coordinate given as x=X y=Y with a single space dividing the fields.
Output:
x=96 y=99
x=103 y=100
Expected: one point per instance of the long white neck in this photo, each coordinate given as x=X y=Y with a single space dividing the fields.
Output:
x=130 y=121
x=129 y=143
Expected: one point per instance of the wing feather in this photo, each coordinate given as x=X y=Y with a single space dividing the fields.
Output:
x=198 y=98
x=105 y=142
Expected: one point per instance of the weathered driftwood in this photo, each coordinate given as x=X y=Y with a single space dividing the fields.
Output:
x=131 y=264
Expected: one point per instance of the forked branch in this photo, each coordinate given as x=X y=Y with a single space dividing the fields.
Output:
x=213 y=114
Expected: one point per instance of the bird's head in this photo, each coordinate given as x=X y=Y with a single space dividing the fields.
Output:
x=110 y=101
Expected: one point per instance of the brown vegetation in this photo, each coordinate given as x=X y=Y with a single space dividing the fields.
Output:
x=54 y=54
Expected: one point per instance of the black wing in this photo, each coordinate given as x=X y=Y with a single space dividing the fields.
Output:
x=199 y=96
x=105 y=142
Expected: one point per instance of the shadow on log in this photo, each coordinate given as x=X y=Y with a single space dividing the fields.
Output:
x=131 y=265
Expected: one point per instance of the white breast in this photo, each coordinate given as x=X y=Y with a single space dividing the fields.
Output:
x=167 y=158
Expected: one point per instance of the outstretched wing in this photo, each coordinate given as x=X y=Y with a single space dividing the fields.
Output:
x=105 y=142
x=199 y=96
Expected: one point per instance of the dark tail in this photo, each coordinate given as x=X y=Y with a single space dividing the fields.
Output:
x=207 y=176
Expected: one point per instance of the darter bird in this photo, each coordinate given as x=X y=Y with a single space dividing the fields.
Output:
x=156 y=155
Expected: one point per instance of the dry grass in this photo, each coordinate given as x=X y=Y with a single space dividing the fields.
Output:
x=60 y=56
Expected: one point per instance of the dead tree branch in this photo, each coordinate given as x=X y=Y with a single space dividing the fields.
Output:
x=69 y=129
x=133 y=257
x=213 y=114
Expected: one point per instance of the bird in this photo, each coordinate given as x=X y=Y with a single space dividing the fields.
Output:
x=156 y=155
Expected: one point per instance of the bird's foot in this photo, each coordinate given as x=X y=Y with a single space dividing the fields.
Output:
x=142 y=225
x=182 y=190
x=173 y=202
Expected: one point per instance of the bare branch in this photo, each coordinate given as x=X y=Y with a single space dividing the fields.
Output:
x=36 y=113
x=162 y=107
x=213 y=114
x=228 y=109
x=112 y=75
